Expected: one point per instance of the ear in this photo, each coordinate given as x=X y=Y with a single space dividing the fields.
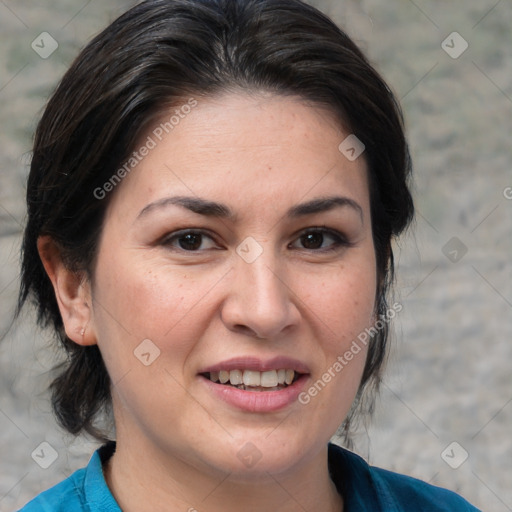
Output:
x=72 y=291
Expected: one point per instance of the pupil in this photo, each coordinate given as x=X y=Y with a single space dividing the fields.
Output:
x=313 y=240
x=190 y=242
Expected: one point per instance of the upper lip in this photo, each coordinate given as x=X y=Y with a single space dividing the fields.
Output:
x=257 y=364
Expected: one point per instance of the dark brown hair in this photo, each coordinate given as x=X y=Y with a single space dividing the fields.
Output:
x=157 y=52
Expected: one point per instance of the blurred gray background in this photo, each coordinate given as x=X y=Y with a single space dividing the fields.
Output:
x=447 y=394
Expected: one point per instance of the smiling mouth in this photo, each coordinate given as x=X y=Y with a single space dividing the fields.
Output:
x=251 y=380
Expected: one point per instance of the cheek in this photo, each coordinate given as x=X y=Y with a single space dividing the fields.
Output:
x=343 y=303
x=142 y=299
x=341 y=308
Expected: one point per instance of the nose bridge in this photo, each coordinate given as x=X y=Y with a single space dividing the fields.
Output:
x=259 y=298
x=262 y=277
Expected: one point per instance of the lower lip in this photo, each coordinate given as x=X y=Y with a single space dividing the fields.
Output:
x=257 y=401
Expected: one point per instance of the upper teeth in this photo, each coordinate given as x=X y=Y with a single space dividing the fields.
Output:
x=267 y=379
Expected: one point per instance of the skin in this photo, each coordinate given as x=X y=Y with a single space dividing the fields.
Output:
x=177 y=443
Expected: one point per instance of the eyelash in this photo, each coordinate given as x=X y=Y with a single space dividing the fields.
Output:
x=339 y=239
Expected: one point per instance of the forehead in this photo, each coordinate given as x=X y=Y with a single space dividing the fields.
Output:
x=261 y=148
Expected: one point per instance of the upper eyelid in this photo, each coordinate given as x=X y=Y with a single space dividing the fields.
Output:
x=186 y=231
x=323 y=229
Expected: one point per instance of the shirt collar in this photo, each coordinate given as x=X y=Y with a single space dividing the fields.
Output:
x=97 y=494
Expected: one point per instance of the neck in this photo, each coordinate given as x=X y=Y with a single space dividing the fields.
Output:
x=153 y=483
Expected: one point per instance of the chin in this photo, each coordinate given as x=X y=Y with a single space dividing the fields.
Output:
x=259 y=456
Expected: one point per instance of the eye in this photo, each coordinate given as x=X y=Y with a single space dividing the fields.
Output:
x=320 y=239
x=189 y=240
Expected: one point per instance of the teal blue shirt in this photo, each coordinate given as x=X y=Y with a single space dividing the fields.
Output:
x=363 y=487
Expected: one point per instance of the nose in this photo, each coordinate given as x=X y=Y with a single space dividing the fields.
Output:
x=260 y=302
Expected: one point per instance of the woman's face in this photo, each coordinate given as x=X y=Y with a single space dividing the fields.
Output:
x=240 y=246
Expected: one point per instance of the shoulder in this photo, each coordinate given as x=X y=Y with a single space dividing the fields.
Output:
x=84 y=491
x=426 y=497
x=363 y=485
x=66 y=496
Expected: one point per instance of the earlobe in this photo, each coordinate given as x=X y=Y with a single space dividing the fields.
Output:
x=72 y=291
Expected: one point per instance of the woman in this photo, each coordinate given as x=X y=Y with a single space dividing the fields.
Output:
x=214 y=190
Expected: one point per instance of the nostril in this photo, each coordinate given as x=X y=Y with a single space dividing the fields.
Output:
x=244 y=329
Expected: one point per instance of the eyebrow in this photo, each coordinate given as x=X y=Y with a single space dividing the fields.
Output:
x=324 y=204
x=194 y=204
x=219 y=210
